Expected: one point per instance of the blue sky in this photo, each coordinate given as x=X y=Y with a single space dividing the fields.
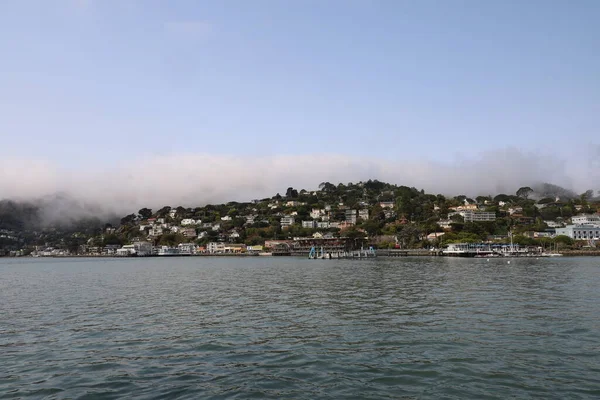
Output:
x=97 y=82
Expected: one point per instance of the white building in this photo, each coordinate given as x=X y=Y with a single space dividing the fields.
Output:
x=287 y=220
x=478 y=216
x=215 y=247
x=156 y=231
x=553 y=224
x=585 y=219
x=580 y=232
x=445 y=223
x=188 y=232
x=316 y=213
x=294 y=203
x=323 y=225
x=389 y=213
x=350 y=216
x=309 y=224
x=186 y=248
x=515 y=210
x=189 y=221
x=386 y=204
x=125 y=251
x=432 y=237
x=226 y=218
x=363 y=214
x=138 y=248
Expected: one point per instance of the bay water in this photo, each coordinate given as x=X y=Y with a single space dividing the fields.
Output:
x=283 y=327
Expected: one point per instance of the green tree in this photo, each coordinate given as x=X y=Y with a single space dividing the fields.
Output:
x=112 y=239
x=502 y=197
x=563 y=240
x=128 y=219
x=145 y=213
x=163 y=211
x=171 y=239
x=524 y=192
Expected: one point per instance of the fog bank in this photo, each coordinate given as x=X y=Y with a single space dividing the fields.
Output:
x=198 y=179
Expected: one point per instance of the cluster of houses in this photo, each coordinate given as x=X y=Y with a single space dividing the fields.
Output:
x=581 y=227
x=142 y=248
x=321 y=218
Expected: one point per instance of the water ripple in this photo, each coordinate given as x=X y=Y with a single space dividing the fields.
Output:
x=291 y=328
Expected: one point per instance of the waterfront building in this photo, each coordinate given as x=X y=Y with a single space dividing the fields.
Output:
x=580 y=232
x=215 y=247
x=137 y=248
x=234 y=248
x=186 y=248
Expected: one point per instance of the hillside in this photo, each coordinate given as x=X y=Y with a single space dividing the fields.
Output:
x=387 y=214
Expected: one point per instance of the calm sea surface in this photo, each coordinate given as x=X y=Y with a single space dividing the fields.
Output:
x=270 y=327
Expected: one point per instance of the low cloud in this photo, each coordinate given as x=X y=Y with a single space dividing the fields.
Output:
x=198 y=179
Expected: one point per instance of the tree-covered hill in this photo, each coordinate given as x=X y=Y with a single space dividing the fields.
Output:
x=373 y=209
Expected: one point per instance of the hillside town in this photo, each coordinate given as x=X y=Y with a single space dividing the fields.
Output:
x=366 y=214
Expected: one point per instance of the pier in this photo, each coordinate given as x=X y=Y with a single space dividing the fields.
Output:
x=315 y=254
x=407 y=253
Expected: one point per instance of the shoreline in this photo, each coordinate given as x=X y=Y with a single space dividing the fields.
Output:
x=566 y=253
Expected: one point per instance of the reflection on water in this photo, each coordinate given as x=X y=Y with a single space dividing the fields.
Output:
x=286 y=327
